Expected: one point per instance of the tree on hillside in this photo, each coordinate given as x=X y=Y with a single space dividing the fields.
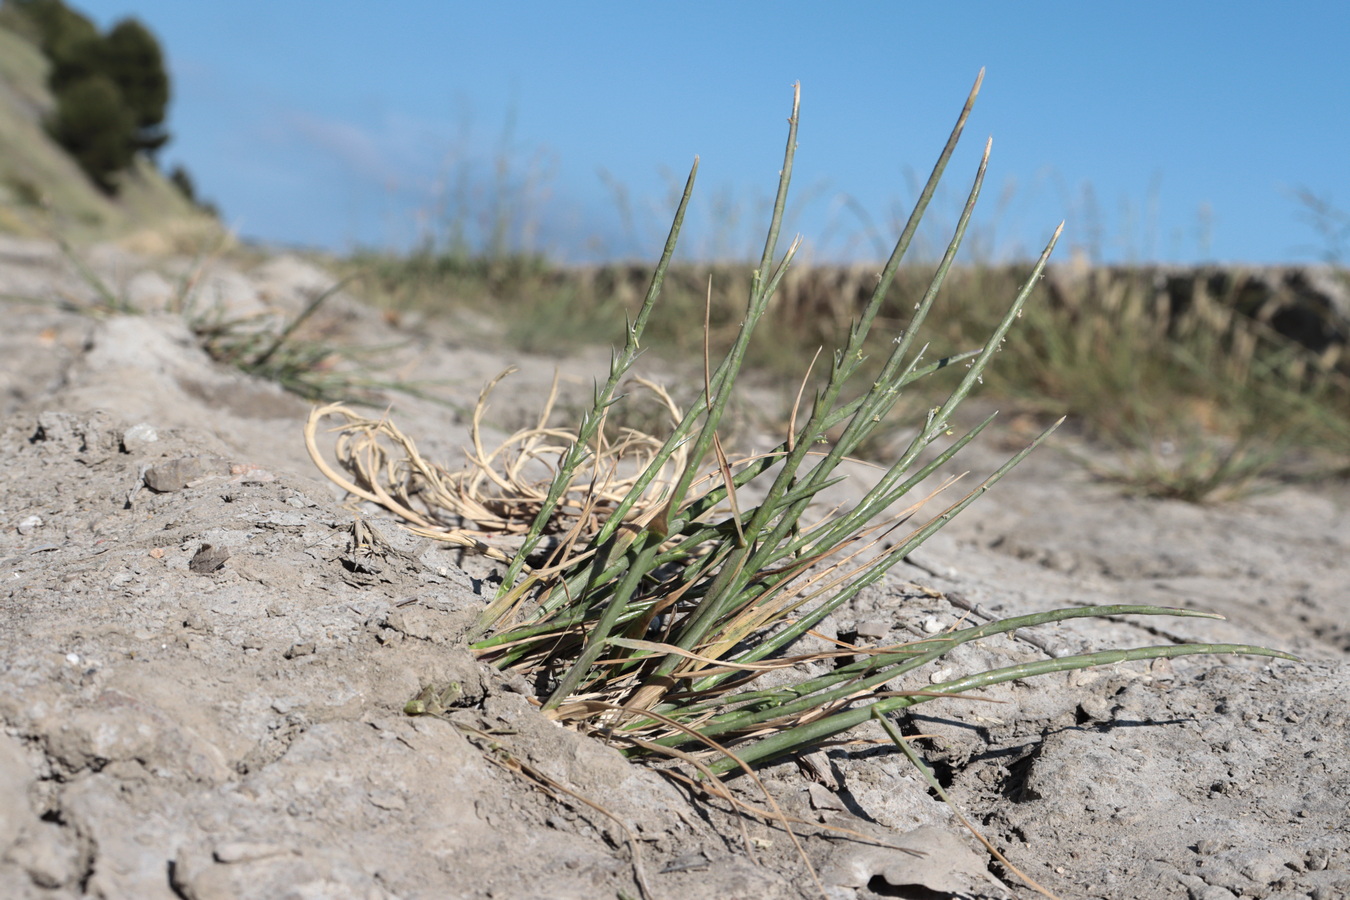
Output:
x=111 y=90
x=133 y=60
x=182 y=180
x=96 y=128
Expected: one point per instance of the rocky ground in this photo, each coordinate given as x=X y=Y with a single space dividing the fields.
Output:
x=203 y=686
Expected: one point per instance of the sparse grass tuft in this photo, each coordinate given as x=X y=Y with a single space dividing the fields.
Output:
x=314 y=370
x=260 y=345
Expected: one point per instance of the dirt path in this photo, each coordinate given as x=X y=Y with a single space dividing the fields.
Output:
x=204 y=684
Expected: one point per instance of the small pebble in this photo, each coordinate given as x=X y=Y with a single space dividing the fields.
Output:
x=243 y=852
x=1265 y=871
x=29 y=525
x=138 y=436
x=208 y=559
x=873 y=629
x=176 y=474
x=1095 y=708
x=941 y=675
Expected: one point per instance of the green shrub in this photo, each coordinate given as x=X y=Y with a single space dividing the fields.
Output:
x=95 y=128
x=111 y=90
x=131 y=57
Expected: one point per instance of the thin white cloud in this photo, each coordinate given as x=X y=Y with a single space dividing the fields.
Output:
x=362 y=152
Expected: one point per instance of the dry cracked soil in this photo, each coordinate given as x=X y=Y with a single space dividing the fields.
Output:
x=203 y=683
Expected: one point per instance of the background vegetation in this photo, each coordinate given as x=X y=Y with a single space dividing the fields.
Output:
x=111 y=90
x=1190 y=376
x=82 y=118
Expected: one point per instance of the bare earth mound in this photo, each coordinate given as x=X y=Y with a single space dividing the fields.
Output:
x=204 y=674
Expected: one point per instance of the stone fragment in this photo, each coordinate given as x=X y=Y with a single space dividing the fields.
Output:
x=138 y=437
x=873 y=628
x=303 y=649
x=177 y=474
x=939 y=861
x=246 y=851
x=208 y=559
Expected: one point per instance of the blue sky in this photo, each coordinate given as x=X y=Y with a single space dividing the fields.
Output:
x=1175 y=131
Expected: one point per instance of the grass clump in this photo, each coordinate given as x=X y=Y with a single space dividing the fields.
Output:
x=646 y=593
x=264 y=345
x=273 y=350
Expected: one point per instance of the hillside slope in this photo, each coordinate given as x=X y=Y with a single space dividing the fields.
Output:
x=43 y=190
